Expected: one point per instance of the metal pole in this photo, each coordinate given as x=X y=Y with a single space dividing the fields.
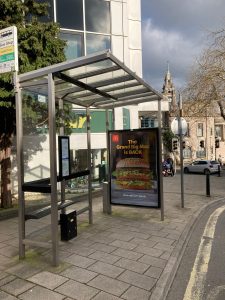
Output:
x=107 y=142
x=113 y=118
x=61 y=132
x=208 y=185
x=181 y=151
x=20 y=165
x=106 y=196
x=160 y=160
x=89 y=165
x=53 y=170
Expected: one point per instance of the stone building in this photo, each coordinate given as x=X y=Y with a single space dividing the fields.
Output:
x=205 y=137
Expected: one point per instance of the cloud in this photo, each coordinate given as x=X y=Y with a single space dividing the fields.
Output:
x=192 y=18
x=160 y=47
x=177 y=32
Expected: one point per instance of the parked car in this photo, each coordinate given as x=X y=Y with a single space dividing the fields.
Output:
x=202 y=166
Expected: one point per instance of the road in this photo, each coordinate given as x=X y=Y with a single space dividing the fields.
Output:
x=201 y=274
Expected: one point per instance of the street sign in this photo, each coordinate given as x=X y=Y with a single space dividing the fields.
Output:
x=8 y=50
x=175 y=126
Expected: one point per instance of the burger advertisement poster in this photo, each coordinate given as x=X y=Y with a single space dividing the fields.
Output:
x=133 y=167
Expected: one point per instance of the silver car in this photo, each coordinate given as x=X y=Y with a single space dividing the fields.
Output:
x=202 y=166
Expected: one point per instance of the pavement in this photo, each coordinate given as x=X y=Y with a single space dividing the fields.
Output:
x=130 y=254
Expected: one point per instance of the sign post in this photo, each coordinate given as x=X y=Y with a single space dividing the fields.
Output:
x=181 y=133
x=179 y=128
x=8 y=50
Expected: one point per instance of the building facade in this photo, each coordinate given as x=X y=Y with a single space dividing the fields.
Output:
x=205 y=137
x=90 y=26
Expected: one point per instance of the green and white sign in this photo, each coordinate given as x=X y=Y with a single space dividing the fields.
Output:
x=8 y=50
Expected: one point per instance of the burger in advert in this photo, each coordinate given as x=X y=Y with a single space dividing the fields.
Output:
x=133 y=174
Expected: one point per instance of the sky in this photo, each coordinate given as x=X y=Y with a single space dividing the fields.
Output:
x=176 y=31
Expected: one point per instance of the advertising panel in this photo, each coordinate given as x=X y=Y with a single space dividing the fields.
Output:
x=64 y=156
x=133 y=167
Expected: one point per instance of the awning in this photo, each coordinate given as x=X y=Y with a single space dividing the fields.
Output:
x=99 y=80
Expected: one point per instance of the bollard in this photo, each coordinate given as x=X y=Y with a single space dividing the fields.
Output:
x=219 y=170
x=106 y=199
x=208 y=185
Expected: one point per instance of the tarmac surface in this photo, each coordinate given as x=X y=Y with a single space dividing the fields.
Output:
x=130 y=254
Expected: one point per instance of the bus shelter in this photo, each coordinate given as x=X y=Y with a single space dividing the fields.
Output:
x=98 y=81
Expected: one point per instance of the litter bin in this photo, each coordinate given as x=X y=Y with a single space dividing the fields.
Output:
x=68 y=223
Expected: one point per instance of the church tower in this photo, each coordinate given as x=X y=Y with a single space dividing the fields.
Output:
x=169 y=89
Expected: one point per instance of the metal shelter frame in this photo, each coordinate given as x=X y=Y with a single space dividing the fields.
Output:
x=95 y=81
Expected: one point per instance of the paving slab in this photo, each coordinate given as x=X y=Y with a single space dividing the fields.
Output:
x=109 y=285
x=48 y=279
x=106 y=269
x=135 y=293
x=132 y=265
x=6 y=296
x=138 y=280
x=105 y=296
x=79 y=260
x=17 y=286
x=77 y=290
x=40 y=293
x=79 y=274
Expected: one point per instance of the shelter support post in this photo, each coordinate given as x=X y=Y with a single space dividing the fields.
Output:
x=89 y=165
x=53 y=170
x=107 y=208
x=62 y=132
x=160 y=159
x=113 y=118
x=20 y=166
x=107 y=143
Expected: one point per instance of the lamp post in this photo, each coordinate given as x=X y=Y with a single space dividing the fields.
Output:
x=181 y=150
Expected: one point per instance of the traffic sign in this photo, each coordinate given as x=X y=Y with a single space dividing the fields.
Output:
x=8 y=50
x=175 y=126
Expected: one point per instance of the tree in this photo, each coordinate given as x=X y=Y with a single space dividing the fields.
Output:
x=38 y=46
x=207 y=80
x=168 y=137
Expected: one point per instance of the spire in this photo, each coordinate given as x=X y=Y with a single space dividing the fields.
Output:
x=168 y=76
x=168 y=87
x=168 y=66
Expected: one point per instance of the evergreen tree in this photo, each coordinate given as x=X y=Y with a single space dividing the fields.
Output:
x=38 y=46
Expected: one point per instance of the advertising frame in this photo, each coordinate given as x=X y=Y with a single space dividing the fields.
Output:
x=138 y=156
x=64 y=156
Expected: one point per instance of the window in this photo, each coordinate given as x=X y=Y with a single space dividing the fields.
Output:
x=126 y=118
x=188 y=129
x=200 y=153
x=74 y=44
x=219 y=131
x=97 y=16
x=200 y=129
x=47 y=18
x=70 y=14
x=148 y=122
x=96 y=42
x=187 y=153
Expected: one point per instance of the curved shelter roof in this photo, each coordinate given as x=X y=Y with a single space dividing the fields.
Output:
x=99 y=80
